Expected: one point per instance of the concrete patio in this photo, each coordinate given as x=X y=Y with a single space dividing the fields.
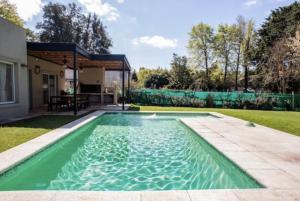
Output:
x=271 y=157
x=43 y=111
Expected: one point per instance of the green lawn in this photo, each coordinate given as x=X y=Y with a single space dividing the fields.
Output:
x=284 y=121
x=22 y=131
x=16 y=133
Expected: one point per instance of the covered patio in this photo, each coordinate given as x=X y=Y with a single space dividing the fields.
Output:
x=87 y=74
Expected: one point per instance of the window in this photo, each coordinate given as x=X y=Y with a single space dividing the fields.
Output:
x=114 y=78
x=7 y=85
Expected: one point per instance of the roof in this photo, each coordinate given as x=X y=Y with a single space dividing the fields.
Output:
x=57 y=52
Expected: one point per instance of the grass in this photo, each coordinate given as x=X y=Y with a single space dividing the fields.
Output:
x=280 y=120
x=19 y=132
x=16 y=133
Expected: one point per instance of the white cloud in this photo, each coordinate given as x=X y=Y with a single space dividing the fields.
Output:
x=251 y=2
x=155 y=41
x=27 y=8
x=120 y=1
x=102 y=9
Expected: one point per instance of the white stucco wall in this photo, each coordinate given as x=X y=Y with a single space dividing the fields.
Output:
x=13 y=49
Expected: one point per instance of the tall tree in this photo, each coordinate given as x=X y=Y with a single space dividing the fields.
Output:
x=282 y=22
x=201 y=46
x=283 y=65
x=274 y=47
x=56 y=24
x=248 y=46
x=224 y=47
x=69 y=24
x=134 y=76
x=100 y=41
x=180 y=77
x=240 y=32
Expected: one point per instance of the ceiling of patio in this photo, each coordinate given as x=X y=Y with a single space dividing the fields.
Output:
x=58 y=52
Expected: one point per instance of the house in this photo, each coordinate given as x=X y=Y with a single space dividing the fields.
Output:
x=33 y=74
x=14 y=96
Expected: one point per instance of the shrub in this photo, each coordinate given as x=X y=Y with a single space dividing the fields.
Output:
x=261 y=101
x=209 y=101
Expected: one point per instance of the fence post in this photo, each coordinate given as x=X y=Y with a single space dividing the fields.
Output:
x=293 y=101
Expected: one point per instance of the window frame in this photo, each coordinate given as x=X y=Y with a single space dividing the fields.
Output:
x=14 y=83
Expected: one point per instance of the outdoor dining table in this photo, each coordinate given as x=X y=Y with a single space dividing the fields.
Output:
x=67 y=101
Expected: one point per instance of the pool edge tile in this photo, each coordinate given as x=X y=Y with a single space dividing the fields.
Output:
x=172 y=195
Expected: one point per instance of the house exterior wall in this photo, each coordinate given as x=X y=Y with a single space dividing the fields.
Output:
x=37 y=79
x=92 y=76
x=13 y=50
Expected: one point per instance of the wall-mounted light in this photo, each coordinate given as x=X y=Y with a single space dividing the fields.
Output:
x=61 y=74
x=80 y=69
x=65 y=63
x=37 y=70
x=24 y=65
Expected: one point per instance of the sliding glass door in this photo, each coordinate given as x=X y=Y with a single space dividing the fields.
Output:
x=49 y=87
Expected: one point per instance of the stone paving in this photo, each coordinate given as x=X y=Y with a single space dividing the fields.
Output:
x=271 y=157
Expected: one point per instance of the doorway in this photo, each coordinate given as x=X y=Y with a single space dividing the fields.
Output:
x=49 y=87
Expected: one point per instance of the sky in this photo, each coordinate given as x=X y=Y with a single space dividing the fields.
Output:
x=150 y=31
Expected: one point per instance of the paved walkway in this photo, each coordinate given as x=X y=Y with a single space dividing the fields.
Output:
x=270 y=156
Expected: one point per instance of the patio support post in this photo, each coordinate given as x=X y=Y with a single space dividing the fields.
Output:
x=129 y=77
x=74 y=82
x=123 y=84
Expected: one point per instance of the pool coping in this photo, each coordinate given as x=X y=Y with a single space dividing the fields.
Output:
x=278 y=171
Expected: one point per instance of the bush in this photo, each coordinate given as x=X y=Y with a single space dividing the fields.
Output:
x=261 y=101
x=209 y=101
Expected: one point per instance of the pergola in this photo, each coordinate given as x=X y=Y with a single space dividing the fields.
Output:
x=75 y=57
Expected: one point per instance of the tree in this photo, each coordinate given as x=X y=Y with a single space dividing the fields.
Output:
x=240 y=32
x=9 y=11
x=199 y=79
x=69 y=24
x=201 y=46
x=283 y=65
x=274 y=47
x=56 y=25
x=224 y=47
x=157 y=81
x=134 y=76
x=248 y=51
x=100 y=41
x=142 y=75
x=180 y=77
x=145 y=76
x=283 y=22
x=216 y=77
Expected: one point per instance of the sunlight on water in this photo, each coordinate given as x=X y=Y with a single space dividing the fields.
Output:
x=129 y=152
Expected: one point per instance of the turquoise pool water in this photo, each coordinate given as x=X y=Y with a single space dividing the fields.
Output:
x=128 y=152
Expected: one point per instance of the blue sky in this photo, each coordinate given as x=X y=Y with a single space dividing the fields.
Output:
x=150 y=31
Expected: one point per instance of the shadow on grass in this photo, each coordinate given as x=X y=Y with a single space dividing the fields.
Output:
x=45 y=122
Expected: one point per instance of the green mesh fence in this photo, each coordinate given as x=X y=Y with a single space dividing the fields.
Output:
x=166 y=97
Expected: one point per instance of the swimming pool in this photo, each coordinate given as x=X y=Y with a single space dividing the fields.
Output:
x=129 y=152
